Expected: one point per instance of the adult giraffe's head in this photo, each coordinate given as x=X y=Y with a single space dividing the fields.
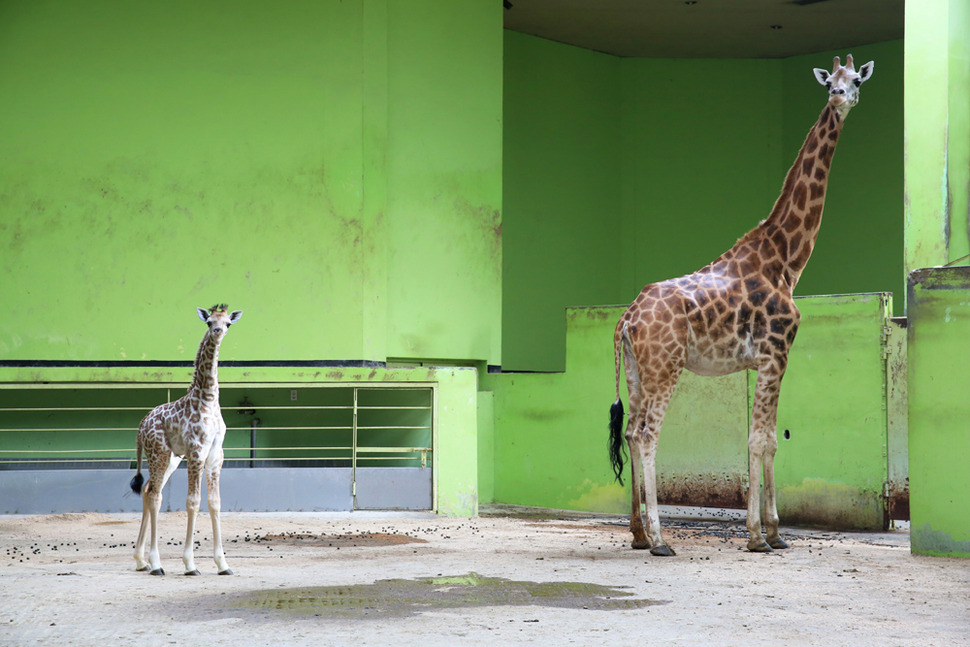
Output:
x=218 y=319
x=843 y=83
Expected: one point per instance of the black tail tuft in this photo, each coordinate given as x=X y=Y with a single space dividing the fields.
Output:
x=136 y=482
x=616 y=439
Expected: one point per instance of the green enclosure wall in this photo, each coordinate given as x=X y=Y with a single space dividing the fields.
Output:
x=939 y=410
x=620 y=172
x=550 y=432
x=937 y=235
x=332 y=168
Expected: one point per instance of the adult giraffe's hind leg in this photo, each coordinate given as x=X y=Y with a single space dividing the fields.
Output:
x=634 y=420
x=648 y=436
x=640 y=540
x=652 y=375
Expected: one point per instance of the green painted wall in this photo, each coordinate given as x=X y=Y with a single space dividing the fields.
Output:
x=937 y=133
x=551 y=429
x=332 y=168
x=696 y=164
x=561 y=197
x=699 y=161
x=939 y=410
x=832 y=467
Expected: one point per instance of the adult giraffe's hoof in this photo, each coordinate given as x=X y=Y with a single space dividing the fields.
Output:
x=663 y=550
x=225 y=572
x=195 y=572
x=158 y=571
x=142 y=569
x=640 y=544
x=763 y=547
x=779 y=544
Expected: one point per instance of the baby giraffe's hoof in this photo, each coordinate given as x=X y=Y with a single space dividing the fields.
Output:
x=142 y=569
x=158 y=571
x=663 y=550
x=225 y=572
x=779 y=543
x=195 y=572
x=640 y=544
x=763 y=547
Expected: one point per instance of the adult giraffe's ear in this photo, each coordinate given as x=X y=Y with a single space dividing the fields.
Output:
x=822 y=75
x=866 y=71
x=203 y=314
x=235 y=316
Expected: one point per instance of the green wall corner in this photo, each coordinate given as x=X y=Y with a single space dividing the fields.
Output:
x=939 y=410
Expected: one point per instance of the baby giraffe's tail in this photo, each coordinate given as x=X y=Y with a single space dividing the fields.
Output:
x=137 y=480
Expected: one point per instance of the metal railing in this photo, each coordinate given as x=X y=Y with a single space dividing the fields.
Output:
x=343 y=425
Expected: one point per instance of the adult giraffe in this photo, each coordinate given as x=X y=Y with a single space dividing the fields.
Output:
x=734 y=314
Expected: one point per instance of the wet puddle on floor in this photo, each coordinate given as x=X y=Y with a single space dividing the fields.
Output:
x=400 y=598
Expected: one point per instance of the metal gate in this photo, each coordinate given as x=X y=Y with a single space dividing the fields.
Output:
x=300 y=446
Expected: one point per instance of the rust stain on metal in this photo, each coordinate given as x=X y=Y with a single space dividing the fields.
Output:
x=898 y=501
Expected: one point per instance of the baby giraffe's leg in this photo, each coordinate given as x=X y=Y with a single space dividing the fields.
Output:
x=215 y=501
x=192 y=502
x=152 y=500
x=141 y=564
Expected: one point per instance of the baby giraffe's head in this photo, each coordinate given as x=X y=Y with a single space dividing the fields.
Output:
x=218 y=319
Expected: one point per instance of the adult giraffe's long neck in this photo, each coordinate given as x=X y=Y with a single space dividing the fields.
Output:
x=206 y=378
x=796 y=217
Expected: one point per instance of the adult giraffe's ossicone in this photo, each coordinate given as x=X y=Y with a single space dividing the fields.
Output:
x=736 y=313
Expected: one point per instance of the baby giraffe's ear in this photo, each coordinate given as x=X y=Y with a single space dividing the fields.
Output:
x=203 y=314
x=822 y=75
x=866 y=71
x=235 y=316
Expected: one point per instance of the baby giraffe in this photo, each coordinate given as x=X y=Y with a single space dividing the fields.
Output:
x=191 y=427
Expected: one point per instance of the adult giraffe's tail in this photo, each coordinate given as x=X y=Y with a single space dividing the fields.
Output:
x=137 y=480
x=616 y=413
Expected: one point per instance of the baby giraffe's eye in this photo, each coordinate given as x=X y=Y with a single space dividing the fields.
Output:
x=857 y=82
x=209 y=324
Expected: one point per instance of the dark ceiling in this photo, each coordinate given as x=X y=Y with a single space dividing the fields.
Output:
x=708 y=28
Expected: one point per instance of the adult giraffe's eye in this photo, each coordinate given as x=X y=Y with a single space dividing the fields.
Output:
x=857 y=82
x=209 y=324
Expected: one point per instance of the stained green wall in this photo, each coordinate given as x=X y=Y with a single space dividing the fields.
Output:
x=698 y=150
x=939 y=431
x=551 y=429
x=332 y=168
x=937 y=133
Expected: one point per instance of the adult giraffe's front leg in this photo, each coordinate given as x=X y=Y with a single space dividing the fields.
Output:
x=762 y=445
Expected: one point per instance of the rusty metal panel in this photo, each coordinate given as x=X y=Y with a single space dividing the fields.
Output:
x=897 y=420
